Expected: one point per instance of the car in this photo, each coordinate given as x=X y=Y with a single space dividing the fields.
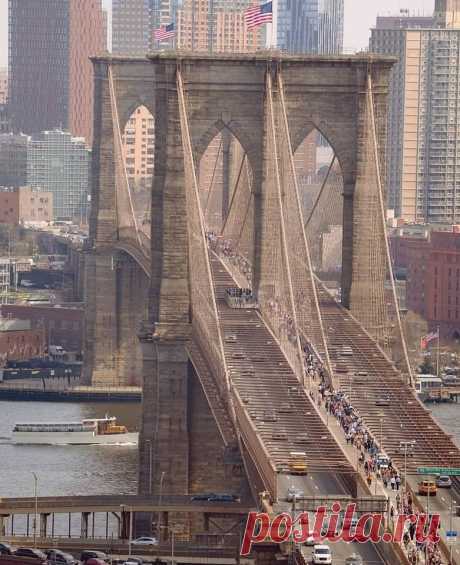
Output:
x=443 y=481
x=427 y=488
x=55 y=556
x=383 y=461
x=30 y=552
x=294 y=492
x=322 y=555
x=223 y=498
x=145 y=541
x=88 y=554
x=202 y=497
x=95 y=561
x=6 y=549
x=354 y=559
x=134 y=561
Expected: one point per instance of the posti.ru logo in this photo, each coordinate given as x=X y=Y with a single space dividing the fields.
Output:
x=338 y=525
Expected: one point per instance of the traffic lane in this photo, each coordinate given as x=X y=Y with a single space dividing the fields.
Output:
x=442 y=503
x=327 y=484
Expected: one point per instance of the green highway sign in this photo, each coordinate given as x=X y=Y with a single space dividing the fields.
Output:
x=438 y=471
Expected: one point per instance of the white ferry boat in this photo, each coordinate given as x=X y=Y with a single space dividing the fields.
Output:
x=103 y=431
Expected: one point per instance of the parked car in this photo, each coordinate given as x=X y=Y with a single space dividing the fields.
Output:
x=322 y=555
x=6 y=549
x=30 y=552
x=56 y=556
x=443 y=481
x=202 y=497
x=145 y=541
x=88 y=554
x=95 y=561
x=224 y=498
x=294 y=492
x=427 y=488
x=133 y=561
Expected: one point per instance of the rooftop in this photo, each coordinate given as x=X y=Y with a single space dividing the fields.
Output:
x=14 y=325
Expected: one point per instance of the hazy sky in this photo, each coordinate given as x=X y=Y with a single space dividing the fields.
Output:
x=359 y=17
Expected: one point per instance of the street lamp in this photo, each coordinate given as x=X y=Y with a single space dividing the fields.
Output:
x=36 y=507
x=149 y=442
x=159 y=503
x=452 y=506
x=406 y=444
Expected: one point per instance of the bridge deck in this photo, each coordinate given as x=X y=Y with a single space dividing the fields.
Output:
x=405 y=418
x=112 y=503
x=271 y=396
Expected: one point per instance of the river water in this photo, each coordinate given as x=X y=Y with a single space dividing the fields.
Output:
x=66 y=470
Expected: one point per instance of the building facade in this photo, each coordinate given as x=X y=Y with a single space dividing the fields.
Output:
x=20 y=205
x=424 y=117
x=51 y=82
x=139 y=148
x=134 y=22
x=310 y=26
x=447 y=13
x=62 y=325
x=13 y=159
x=216 y=26
x=19 y=341
x=3 y=85
x=432 y=263
x=60 y=163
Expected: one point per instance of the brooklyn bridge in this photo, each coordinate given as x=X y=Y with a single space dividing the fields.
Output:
x=216 y=296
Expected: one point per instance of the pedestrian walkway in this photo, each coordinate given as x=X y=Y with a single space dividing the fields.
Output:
x=362 y=450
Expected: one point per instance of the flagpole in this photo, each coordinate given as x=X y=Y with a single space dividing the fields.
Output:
x=438 y=354
x=274 y=23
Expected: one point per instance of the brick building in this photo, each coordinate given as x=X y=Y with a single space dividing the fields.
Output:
x=61 y=325
x=20 y=341
x=432 y=263
x=23 y=204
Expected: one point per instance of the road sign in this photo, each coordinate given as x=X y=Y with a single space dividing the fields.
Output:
x=451 y=536
x=452 y=472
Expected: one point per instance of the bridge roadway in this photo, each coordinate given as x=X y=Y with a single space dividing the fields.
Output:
x=314 y=485
x=111 y=503
x=389 y=407
x=275 y=415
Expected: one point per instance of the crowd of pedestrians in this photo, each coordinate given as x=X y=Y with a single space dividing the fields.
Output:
x=225 y=249
x=377 y=466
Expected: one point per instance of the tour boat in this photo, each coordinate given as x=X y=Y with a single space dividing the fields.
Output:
x=103 y=431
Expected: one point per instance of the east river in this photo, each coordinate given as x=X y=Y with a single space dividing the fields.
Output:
x=66 y=470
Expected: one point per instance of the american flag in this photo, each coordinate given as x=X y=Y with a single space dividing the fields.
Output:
x=429 y=338
x=165 y=32
x=258 y=15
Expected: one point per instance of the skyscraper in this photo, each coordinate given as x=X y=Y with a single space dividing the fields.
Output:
x=132 y=26
x=50 y=43
x=330 y=26
x=310 y=26
x=423 y=153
